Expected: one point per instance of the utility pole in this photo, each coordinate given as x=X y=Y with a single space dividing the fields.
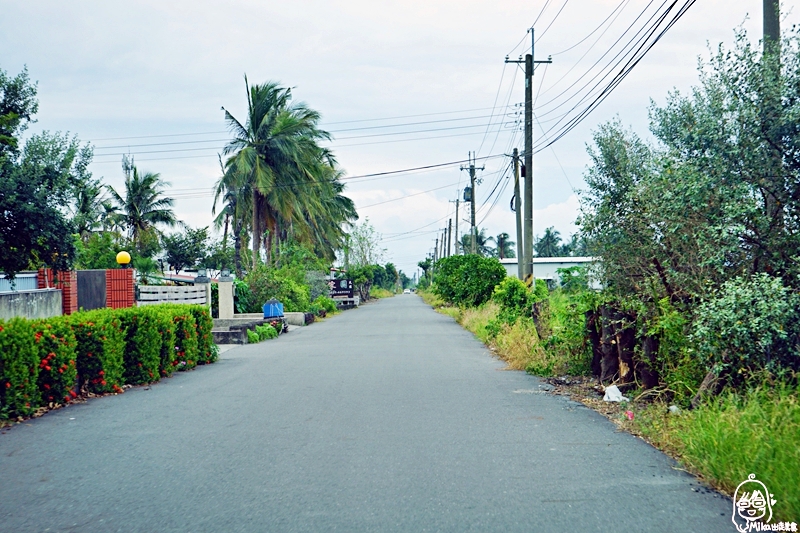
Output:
x=449 y=235
x=473 y=229
x=527 y=250
x=455 y=250
x=436 y=250
x=772 y=23
x=518 y=214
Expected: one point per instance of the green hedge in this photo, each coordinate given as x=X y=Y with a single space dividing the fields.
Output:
x=142 y=345
x=186 y=353
x=58 y=370
x=49 y=362
x=100 y=348
x=19 y=358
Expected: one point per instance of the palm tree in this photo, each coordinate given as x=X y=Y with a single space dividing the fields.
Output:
x=91 y=210
x=293 y=182
x=549 y=245
x=143 y=206
x=504 y=246
x=482 y=243
x=236 y=212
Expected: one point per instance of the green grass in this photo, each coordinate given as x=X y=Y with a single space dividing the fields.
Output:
x=378 y=292
x=734 y=436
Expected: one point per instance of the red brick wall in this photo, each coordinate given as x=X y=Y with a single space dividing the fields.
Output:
x=67 y=282
x=120 y=291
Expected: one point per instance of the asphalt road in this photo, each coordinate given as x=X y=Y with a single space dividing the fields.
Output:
x=390 y=417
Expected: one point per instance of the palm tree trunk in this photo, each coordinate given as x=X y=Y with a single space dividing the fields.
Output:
x=225 y=233
x=256 y=228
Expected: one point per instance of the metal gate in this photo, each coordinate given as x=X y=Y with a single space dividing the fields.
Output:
x=91 y=289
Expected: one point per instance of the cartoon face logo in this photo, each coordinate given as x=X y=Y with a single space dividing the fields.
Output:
x=751 y=501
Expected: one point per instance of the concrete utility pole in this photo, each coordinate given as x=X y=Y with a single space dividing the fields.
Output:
x=457 y=240
x=436 y=250
x=473 y=229
x=518 y=213
x=772 y=22
x=449 y=235
x=527 y=250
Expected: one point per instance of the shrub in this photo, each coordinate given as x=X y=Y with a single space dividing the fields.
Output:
x=747 y=326
x=206 y=349
x=142 y=355
x=185 y=337
x=326 y=303
x=100 y=347
x=162 y=316
x=252 y=337
x=56 y=351
x=468 y=280
x=243 y=301
x=282 y=284
x=19 y=395
x=265 y=331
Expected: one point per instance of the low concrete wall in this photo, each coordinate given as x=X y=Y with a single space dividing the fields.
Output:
x=42 y=303
x=295 y=319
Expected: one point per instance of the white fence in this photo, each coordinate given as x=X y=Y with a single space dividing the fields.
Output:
x=159 y=294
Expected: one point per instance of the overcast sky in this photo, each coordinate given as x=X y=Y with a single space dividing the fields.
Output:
x=138 y=77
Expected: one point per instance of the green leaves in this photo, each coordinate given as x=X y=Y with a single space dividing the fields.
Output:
x=467 y=280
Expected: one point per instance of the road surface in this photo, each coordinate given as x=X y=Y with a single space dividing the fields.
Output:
x=390 y=417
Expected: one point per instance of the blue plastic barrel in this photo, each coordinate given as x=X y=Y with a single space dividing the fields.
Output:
x=273 y=309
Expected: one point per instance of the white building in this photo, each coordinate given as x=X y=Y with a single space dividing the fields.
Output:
x=546 y=268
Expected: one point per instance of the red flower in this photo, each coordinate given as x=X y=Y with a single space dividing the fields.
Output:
x=103 y=382
x=46 y=386
x=8 y=385
x=102 y=373
x=47 y=368
x=72 y=393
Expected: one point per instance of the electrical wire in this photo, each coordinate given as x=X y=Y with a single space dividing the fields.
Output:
x=634 y=60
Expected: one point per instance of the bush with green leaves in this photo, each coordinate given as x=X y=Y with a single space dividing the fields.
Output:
x=58 y=370
x=162 y=317
x=749 y=325
x=142 y=355
x=100 y=340
x=252 y=337
x=19 y=366
x=283 y=284
x=186 y=352
x=326 y=303
x=206 y=349
x=265 y=332
x=467 y=280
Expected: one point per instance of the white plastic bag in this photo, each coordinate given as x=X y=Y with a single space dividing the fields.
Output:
x=614 y=395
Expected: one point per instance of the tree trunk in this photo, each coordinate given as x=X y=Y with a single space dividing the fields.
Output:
x=594 y=340
x=256 y=227
x=609 y=364
x=625 y=334
x=646 y=368
x=225 y=233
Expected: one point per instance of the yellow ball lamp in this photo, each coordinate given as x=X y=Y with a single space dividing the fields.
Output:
x=123 y=258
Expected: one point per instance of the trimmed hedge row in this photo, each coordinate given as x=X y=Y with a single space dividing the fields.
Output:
x=52 y=361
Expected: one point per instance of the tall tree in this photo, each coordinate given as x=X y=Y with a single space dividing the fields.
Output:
x=483 y=243
x=549 y=244
x=143 y=206
x=504 y=246
x=275 y=154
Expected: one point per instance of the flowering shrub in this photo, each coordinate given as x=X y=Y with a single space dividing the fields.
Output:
x=185 y=338
x=42 y=361
x=206 y=349
x=19 y=395
x=58 y=369
x=142 y=345
x=100 y=347
x=166 y=331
